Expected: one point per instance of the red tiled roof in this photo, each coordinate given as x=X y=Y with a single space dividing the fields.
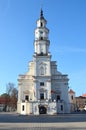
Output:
x=71 y=91
x=84 y=95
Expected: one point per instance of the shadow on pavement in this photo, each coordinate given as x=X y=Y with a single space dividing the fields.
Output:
x=16 y=118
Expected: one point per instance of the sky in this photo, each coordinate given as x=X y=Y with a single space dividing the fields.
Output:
x=66 y=20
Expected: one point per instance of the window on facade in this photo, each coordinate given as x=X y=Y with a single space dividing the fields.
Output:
x=72 y=97
x=41 y=96
x=61 y=107
x=58 y=97
x=41 y=38
x=41 y=24
x=41 y=83
x=27 y=97
x=41 y=54
x=22 y=107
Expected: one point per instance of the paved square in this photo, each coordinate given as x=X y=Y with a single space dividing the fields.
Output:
x=13 y=121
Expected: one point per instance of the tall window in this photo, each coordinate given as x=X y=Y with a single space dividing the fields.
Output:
x=41 y=24
x=41 y=96
x=22 y=107
x=26 y=97
x=72 y=97
x=61 y=107
x=58 y=97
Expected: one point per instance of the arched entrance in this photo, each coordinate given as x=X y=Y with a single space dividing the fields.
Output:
x=42 y=110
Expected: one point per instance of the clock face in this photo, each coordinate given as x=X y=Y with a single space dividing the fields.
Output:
x=41 y=32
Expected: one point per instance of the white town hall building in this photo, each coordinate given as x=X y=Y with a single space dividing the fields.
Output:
x=42 y=89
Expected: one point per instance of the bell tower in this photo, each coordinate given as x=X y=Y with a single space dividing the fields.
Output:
x=42 y=60
x=41 y=42
x=42 y=89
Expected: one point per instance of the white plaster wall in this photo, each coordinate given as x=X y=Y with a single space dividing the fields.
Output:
x=71 y=94
x=52 y=108
x=65 y=97
x=39 y=22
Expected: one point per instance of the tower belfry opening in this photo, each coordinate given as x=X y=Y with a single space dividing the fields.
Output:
x=42 y=89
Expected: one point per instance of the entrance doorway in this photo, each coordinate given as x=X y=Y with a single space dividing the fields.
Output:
x=42 y=110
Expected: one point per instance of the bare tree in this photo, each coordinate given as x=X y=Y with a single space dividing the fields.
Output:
x=5 y=100
x=12 y=92
x=9 y=88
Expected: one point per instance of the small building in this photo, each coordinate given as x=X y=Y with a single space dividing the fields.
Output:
x=84 y=95
x=72 y=100
x=42 y=89
x=80 y=103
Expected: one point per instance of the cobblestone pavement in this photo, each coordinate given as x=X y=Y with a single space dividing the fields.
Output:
x=16 y=118
x=13 y=121
x=43 y=126
x=37 y=129
x=44 y=129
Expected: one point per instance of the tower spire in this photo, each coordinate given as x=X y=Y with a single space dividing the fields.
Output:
x=41 y=13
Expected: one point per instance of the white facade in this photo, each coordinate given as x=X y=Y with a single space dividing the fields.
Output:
x=85 y=108
x=43 y=89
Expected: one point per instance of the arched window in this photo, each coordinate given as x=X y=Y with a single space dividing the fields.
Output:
x=61 y=107
x=72 y=97
x=26 y=97
x=41 y=38
x=23 y=108
x=58 y=97
x=41 y=24
x=41 y=96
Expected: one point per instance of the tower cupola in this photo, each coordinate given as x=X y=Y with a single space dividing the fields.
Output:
x=41 y=36
x=41 y=22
